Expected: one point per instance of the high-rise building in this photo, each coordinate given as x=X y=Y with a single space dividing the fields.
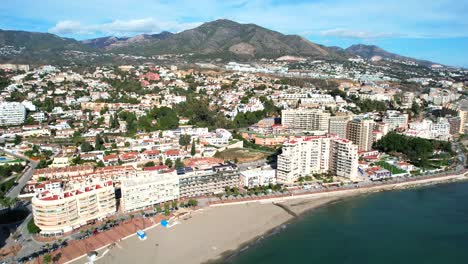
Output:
x=455 y=123
x=359 y=131
x=307 y=119
x=57 y=211
x=12 y=113
x=147 y=189
x=344 y=158
x=338 y=125
x=303 y=156
x=463 y=114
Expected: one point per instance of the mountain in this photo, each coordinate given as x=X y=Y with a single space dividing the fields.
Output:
x=29 y=47
x=217 y=39
x=109 y=43
x=228 y=38
x=38 y=41
x=371 y=51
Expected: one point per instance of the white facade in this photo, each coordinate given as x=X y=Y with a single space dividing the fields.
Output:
x=307 y=119
x=258 y=177
x=12 y=113
x=308 y=155
x=147 y=189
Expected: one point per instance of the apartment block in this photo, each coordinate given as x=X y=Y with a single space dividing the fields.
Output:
x=147 y=189
x=303 y=156
x=58 y=211
x=207 y=180
x=307 y=119
x=12 y=113
x=359 y=131
x=338 y=125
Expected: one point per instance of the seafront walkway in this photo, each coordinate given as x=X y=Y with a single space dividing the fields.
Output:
x=349 y=189
x=79 y=248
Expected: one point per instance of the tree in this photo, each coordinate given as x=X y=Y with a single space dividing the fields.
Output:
x=86 y=147
x=17 y=140
x=184 y=140
x=168 y=162
x=174 y=204
x=32 y=227
x=192 y=202
x=98 y=143
x=192 y=150
x=149 y=164
x=47 y=259
x=100 y=164
x=178 y=164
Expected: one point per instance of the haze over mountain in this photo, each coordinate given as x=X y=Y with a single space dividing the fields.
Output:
x=370 y=51
x=220 y=38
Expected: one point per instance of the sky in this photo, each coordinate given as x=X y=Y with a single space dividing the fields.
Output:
x=435 y=30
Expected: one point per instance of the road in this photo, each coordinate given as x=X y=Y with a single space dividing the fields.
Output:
x=15 y=191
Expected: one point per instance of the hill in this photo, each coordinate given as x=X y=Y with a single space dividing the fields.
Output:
x=371 y=51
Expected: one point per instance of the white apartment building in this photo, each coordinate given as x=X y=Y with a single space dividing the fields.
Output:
x=57 y=211
x=396 y=120
x=303 y=156
x=344 y=158
x=307 y=119
x=257 y=177
x=12 y=113
x=147 y=189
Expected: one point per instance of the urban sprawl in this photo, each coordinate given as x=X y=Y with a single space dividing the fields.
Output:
x=88 y=144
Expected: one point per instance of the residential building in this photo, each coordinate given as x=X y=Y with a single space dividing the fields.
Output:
x=359 y=131
x=147 y=189
x=12 y=113
x=58 y=211
x=258 y=177
x=338 y=125
x=207 y=180
x=307 y=119
x=396 y=120
x=303 y=156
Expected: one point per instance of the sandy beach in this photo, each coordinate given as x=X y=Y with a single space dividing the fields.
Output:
x=216 y=232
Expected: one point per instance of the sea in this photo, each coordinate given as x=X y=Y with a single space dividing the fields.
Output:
x=422 y=225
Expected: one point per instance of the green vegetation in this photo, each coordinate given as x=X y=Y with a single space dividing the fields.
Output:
x=8 y=169
x=417 y=150
x=368 y=105
x=32 y=227
x=393 y=169
x=192 y=202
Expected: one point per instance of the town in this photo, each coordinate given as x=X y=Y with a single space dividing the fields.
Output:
x=86 y=147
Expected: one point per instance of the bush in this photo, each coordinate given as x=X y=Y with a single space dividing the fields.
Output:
x=32 y=227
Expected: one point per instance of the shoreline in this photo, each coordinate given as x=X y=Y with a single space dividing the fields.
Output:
x=228 y=255
x=218 y=233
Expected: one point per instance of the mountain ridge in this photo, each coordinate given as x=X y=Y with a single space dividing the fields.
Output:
x=221 y=38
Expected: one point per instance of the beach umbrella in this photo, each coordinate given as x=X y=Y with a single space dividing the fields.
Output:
x=164 y=223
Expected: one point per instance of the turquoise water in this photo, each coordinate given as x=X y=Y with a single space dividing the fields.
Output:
x=425 y=225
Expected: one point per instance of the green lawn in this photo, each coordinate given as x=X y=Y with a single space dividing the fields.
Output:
x=393 y=169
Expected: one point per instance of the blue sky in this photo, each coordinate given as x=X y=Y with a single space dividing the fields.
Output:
x=436 y=30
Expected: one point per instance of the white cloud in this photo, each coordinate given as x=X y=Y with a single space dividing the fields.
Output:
x=344 y=33
x=120 y=27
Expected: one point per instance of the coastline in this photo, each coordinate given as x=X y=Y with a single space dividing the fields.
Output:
x=217 y=233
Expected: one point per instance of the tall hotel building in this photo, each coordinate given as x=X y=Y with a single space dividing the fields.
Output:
x=303 y=156
x=307 y=119
x=147 y=189
x=58 y=211
x=359 y=131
